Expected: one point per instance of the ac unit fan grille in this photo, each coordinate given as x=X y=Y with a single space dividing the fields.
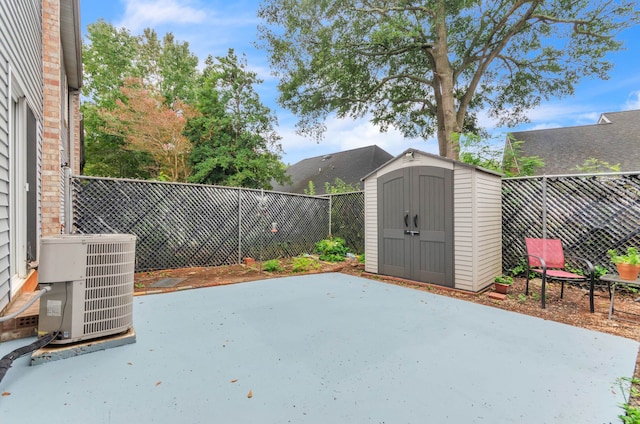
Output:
x=108 y=287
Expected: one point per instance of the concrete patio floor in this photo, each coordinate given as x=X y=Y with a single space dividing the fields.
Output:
x=327 y=348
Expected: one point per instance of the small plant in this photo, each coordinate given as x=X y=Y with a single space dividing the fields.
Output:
x=503 y=279
x=139 y=285
x=304 y=264
x=361 y=258
x=632 y=257
x=599 y=271
x=632 y=413
x=332 y=249
x=272 y=265
x=522 y=298
x=520 y=270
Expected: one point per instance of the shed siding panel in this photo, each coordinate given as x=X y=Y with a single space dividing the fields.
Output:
x=488 y=229
x=464 y=238
x=371 y=225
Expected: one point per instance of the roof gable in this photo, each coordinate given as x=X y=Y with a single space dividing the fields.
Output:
x=350 y=166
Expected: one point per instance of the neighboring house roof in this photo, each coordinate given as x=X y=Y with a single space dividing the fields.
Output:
x=350 y=166
x=614 y=139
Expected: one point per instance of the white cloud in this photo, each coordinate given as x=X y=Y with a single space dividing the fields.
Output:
x=140 y=14
x=634 y=101
x=347 y=134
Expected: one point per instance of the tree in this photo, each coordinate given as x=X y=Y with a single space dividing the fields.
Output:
x=339 y=186
x=147 y=124
x=110 y=56
x=596 y=166
x=426 y=67
x=234 y=142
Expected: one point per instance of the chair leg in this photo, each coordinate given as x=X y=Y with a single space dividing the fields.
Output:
x=562 y=290
x=526 y=290
x=591 y=284
x=544 y=281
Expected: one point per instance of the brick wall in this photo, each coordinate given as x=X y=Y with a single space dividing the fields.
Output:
x=52 y=126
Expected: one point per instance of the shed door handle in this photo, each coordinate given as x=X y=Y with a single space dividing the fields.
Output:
x=406 y=219
x=415 y=220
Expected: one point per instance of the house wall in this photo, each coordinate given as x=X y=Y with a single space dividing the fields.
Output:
x=53 y=130
x=20 y=69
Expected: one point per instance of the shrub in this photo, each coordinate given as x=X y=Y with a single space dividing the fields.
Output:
x=272 y=265
x=332 y=249
x=304 y=264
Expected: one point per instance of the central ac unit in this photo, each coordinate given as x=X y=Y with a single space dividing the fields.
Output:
x=91 y=279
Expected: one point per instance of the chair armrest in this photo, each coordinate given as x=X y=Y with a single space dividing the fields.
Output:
x=542 y=262
x=586 y=262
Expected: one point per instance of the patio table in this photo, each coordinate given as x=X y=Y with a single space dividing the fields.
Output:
x=613 y=280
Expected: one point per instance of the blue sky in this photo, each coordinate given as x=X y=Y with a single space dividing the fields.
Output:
x=214 y=26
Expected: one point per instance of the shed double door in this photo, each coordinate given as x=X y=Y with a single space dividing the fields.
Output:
x=415 y=219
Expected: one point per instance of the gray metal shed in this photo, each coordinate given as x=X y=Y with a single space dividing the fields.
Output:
x=435 y=220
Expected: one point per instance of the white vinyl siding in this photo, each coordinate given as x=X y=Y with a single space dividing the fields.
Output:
x=477 y=228
x=371 y=225
x=21 y=64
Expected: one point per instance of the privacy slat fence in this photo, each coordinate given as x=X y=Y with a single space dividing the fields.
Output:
x=188 y=225
x=185 y=225
x=590 y=214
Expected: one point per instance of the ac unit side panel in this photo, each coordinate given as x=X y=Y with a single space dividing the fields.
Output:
x=101 y=303
x=61 y=310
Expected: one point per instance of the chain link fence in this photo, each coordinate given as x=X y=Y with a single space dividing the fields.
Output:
x=186 y=225
x=347 y=219
x=589 y=213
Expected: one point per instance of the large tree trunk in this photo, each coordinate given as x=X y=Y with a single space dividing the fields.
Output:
x=443 y=87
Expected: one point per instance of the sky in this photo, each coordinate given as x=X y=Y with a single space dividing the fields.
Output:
x=211 y=27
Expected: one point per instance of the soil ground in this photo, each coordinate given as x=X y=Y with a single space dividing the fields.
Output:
x=573 y=309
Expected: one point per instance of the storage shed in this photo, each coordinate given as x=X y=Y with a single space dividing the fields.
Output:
x=435 y=220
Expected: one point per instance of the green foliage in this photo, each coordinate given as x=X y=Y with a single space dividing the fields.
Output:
x=234 y=142
x=272 y=265
x=514 y=164
x=596 y=166
x=632 y=257
x=631 y=413
x=520 y=270
x=522 y=298
x=332 y=249
x=599 y=271
x=339 y=186
x=503 y=279
x=477 y=151
x=429 y=69
x=311 y=191
x=361 y=258
x=304 y=264
x=110 y=56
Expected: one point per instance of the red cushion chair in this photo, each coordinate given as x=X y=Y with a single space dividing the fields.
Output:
x=546 y=257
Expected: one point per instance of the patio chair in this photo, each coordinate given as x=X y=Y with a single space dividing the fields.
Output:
x=546 y=257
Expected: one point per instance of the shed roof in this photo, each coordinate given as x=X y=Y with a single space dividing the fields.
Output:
x=614 y=139
x=412 y=151
x=350 y=166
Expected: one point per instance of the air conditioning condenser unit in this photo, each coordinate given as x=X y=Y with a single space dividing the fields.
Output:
x=91 y=279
